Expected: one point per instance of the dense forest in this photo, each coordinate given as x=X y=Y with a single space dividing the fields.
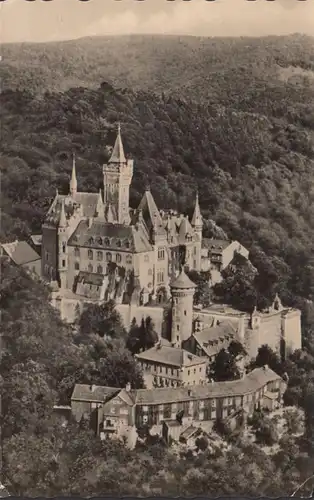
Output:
x=231 y=118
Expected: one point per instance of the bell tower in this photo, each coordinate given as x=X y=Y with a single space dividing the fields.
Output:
x=118 y=175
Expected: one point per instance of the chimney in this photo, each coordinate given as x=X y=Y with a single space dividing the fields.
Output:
x=128 y=387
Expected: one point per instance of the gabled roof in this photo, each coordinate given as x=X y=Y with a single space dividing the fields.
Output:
x=20 y=252
x=218 y=332
x=105 y=236
x=185 y=230
x=197 y=219
x=182 y=281
x=95 y=393
x=252 y=382
x=151 y=214
x=171 y=356
x=117 y=155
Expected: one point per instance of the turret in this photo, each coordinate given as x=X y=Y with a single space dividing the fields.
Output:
x=182 y=291
x=62 y=247
x=118 y=175
x=73 y=182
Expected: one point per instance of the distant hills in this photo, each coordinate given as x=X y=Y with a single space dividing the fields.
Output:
x=218 y=69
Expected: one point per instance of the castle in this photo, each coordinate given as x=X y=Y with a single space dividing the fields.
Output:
x=96 y=248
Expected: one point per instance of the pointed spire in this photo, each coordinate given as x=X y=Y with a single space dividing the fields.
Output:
x=197 y=219
x=62 y=220
x=100 y=209
x=73 y=182
x=117 y=155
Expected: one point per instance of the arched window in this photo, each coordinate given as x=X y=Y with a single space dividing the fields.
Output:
x=76 y=252
x=90 y=254
x=99 y=255
x=129 y=259
x=63 y=247
x=108 y=257
x=90 y=268
x=150 y=272
x=99 y=269
x=118 y=257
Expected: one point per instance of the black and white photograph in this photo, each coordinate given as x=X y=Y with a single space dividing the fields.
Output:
x=157 y=248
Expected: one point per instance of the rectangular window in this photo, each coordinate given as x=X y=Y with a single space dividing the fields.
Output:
x=63 y=263
x=161 y=254
x=90 y=254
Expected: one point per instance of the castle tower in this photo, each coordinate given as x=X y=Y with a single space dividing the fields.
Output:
x=182 y=291
x=62 y=248
x=197 y=224
x=73 y=182
x=118 y=175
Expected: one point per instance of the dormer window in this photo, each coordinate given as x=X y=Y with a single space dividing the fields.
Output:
x=91 y=241
x=127 y=244
x=99 y=241
x=107 y=242
x=119 y=243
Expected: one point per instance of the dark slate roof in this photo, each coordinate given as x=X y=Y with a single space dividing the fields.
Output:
x=90 y=278
x=215 y=332
x=3 y=491
x=215 y=245
x=94 y=393
x=151 y=213
x=20 y=252
x=252 y=382
x=182 y=281
x=87 y=202
x=117 y=155
x=37 y=239
x=171 y=356
x=103 y=235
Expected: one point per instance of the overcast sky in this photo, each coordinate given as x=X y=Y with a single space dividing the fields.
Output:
x=40 y=21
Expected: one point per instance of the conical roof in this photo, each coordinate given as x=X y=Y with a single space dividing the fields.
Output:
x=73 y=182
x=197 y=219
x=182 y=281
x=62 y=220
x=117 y=155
